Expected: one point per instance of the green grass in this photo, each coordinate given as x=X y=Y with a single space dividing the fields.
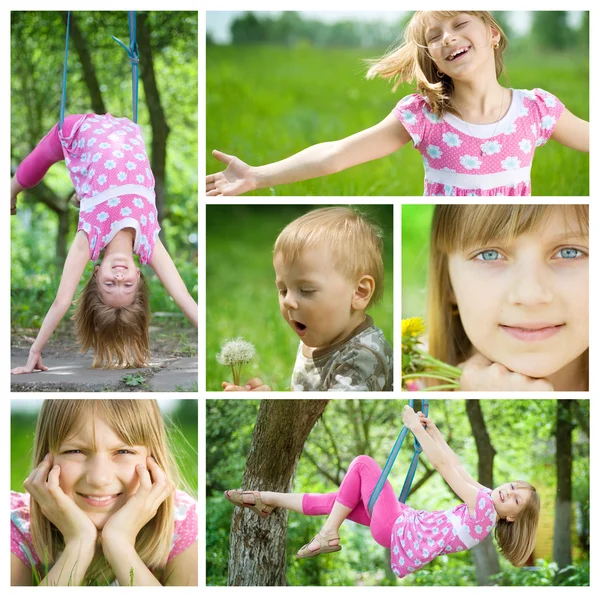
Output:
x=265 y=103
x=241 y=298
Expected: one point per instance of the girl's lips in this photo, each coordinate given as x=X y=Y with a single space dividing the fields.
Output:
x=459 y=56
x=533 y=334
x=99 y=501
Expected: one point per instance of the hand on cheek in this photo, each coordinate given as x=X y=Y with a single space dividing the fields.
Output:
x=481 y=374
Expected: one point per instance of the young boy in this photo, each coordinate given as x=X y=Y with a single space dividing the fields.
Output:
x=329 y=270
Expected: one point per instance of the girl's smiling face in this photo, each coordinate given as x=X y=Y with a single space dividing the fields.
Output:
x=97 y=469
x=461 y=44
x=524 y=302
x=509 y=500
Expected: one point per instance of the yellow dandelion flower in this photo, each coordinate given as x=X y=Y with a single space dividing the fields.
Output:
x=413 y=327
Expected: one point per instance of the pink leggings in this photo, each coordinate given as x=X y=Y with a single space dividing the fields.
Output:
x=354 y=493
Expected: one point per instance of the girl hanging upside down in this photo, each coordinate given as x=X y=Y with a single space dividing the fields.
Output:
x=415 y=537
x=108 y=164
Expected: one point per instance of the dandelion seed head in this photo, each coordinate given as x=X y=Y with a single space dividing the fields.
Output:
x=235 y=351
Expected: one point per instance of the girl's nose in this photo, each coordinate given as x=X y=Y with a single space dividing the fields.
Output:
x=99 y=472
x=448 y=37
x=531 y=286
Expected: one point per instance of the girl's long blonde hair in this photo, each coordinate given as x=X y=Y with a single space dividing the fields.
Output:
x=459 y=227
x=118 y=336
x=137 y=422
x=517 y=539
x=412 y=61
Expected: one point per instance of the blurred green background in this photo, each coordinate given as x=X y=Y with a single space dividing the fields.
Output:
x=522 y=433
x=170 y=54
x=286 y=81
x=181 y=419
x=241 y=297
x=416 y=229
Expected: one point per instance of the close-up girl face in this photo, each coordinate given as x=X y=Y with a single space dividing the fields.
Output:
x=459 y=45
x=117 y=278
x=523 y=302
x=97 y=469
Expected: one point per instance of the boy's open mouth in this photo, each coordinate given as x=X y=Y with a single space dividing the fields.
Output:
x=299 y=327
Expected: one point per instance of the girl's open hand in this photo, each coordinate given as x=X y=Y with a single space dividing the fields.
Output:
x=481 y=374
x=125 y=524
x=254 y=385
x=34 y=363
x=410 y=418
x=73 y=523
x=234 y=180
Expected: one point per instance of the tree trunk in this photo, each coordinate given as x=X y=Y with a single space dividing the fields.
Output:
x=158 y=121
x=257 y=545
x=561 y=551
x=484 y=554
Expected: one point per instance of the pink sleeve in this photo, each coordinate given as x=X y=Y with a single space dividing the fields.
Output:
x=47 y=152
x=20 y=539
x=482 y=522
x=544 y=109
x=410 y=111
x=186 y=524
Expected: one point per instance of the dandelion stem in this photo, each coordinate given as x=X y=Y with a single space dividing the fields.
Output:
x=441 y=387
x=429 y=375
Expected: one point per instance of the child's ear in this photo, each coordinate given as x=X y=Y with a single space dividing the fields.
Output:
x=96 y=268
x=495 y=36
x=363 y=293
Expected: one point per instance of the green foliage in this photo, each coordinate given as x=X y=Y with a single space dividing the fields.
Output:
x=293 y=97
x=545 y=574
x=241 y=297
x=134 y=379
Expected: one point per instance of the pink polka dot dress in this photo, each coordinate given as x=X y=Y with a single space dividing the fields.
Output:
x=185 y=531
x=463 y=159
x=418 y=536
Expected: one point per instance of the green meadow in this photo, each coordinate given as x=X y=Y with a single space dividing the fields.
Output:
x=264 y=103
x=241 y=296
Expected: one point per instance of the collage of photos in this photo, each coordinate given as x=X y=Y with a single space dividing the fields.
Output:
x=446 y=289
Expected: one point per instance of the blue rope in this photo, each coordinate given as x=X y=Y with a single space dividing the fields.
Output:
x=134 y=57
x=392 y=458
x=63 y=99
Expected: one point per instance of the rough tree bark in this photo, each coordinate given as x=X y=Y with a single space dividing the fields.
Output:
x=257 y=545
x=561 y=550
x=484 y=554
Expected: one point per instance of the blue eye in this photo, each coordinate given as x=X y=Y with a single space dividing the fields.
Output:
x=570 y=253
x=489 y=255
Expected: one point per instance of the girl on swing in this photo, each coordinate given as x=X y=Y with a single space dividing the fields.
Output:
x=414 y=537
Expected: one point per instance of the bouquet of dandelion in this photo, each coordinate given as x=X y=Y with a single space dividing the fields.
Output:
x=234 y=353
x=418 y=364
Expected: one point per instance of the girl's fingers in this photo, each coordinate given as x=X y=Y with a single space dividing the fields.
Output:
x=144 y=477
x=161 y=484
x=213 y=193
x=53 y=482
x=41 y=475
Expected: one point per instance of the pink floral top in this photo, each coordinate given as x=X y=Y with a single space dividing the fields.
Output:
x=462 y=159
x=419 y=536
x=108 y=164
x=185 y=532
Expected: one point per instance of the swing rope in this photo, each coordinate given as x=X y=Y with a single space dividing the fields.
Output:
x=410 y=475
x=132 y=53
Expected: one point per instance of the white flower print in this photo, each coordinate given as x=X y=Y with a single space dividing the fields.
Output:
x=84 y=172
x=75 y=169
x=409 y=535
x=470 y=162
x=448 y=190
x=482 y=503
x=102 y=216
x=155 y=234
x=402 y=561
x=121 y=133
x=91 y=141
x=491 y=147
x=425 y=162
x=511 y=129
x=134 y=141
x=550 y=101
x=459 y=548
x=511 y=163
x=396 y=550
x=445 y=531
x=125 y=211
x=409 y=553
x=151 y=217
x=143 y=220
x=140 y=178
x=431 y=116
x=81 y=143
x=441 y=543
x=434 y=151
x=530 y=95
x=140 y=156
x=478 y=529
x=126 y=147
x=130 y=165
x=138 y=202
x=540 y=141
x=534 y=129
x=104 y=145
x=93 y=242
x=452 y=140
x=547 y=123
x=98 y=131
x=121 y=176
x=118 y=153
x=86 y=227
x=86 y=188
x=523 y=112
x=84 y=127
x=446 y=169
x=448 y=548
x=106 y=125
x=408 y=117
x=525 y=145
x=114 y=202
x=144 y=241
x=83 y=158
x=110 y=164
x=416 y=140
x=418 y=562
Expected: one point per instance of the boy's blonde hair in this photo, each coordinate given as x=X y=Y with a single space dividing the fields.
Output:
x=459 y=227
x=137 y=423
x=412 y=61
x=517 y=539
x=117 y=335
x=356 y=243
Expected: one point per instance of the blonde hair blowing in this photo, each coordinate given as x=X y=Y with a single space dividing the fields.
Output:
x=117 y=335
x=355 y=242
x=412 y=61
x=459 y=228
x=517 y=539
x=137 y=423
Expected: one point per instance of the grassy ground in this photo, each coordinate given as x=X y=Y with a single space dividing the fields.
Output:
x=265 y=103
x=241 y=298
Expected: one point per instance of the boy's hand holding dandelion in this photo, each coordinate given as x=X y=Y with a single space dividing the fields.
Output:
x=254 y=385
x=236 y=179
x=481 y=374
x=234 y=353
